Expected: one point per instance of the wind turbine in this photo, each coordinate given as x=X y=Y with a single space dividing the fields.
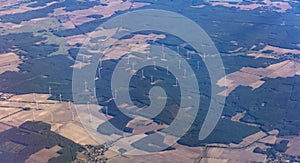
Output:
x=154 y=65
x=73 y=113
x=152 y=80
x=80 y=65
x=203 y=56
x=50 y=92
x=106 y=111
x=82 y=62
x=99 y=73
x=132 y=66
x=115 y=94
x=33 y=114
x=128 y=59
x=83 y=58
x=69 y=104
x=179 y=64
x=99 y=68
x=34 y=97
x=95 y=92
x=52 y=116
x=85 y=86
x=198 y=65
x=176 y=83
x=167 y=70
x=143 y=74
x=163 y=53
x=162 y=48
x=60 y=98
x=73 y=116
x=188 y=54
x=37 y=105
x=100 y=62
x=294 y=63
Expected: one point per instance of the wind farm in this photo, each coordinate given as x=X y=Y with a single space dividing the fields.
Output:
x=163 y=68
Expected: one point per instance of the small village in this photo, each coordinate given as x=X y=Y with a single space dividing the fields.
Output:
x=5 y=96
x=92 y=154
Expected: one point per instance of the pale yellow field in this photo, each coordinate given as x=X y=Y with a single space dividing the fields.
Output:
x=280 y=7
x=248 y=76
x=4 y=127
x=64 y=124
x=250 y=139
x=260 y=55
x=181 y=154
x=279 y=50
x=61 y=115
x=76 y=132
x=238 y=116
x=270 y=140
x=9 y=62
x=21 y=9
x=238 y=155
x=138 y=43
x=79 y=17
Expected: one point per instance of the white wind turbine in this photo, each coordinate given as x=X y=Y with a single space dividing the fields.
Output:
x=50 y=91
x=99 y=73
x=51 y=116
x=37 y=105
x=132 y=66
x=72 y=112
x=167 y=70
x=85 y=86
x=33 y=114
x=176 y=82
x=100 y=62
x=151 y=80
x=163 y=53
x=106 y=111
x=82 y=62
x=188 y=54
x=115 y=94
x=95 y=92
x=143 y=76
x=34 y=97
x=128 y=59
x=69 y=104
x=154 y=65
x=33 y=110
x=60 y=98
x=73 y=116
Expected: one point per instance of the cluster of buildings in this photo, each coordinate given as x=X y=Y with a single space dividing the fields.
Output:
x=279 y=157
x=94 y=154
x=5 y=96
